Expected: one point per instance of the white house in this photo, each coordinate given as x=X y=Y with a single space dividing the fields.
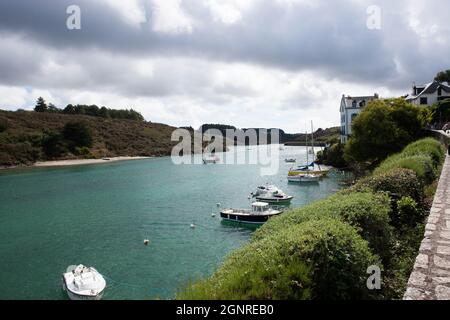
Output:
x=429 y=93
x=350 y=108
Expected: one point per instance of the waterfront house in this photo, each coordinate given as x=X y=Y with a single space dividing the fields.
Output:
x=428 y=94
x=349 y=109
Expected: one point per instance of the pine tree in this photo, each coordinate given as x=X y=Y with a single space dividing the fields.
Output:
x=41 y=106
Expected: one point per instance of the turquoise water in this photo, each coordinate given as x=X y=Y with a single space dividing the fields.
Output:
x=99 y=215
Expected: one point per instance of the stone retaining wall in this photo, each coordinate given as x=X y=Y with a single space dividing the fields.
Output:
x=430 y=279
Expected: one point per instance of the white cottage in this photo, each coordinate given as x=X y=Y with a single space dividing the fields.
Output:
x=350 y=108
x=428 y=94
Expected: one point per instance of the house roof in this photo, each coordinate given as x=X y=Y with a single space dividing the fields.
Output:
x=348 y=100
x=429 y=88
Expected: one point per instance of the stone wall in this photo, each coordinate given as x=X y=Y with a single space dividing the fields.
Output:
x=430 y=279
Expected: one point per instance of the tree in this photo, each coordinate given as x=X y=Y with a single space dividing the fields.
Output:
x=78 y=134
x=41 y=106
x=382 y=128
x=53 y=109
x=443 y=76
x=53 y=145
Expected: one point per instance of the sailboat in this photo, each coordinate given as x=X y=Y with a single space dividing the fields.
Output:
x=308 y=172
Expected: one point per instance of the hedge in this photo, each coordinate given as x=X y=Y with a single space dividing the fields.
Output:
x=398 y=182
x=422 y=165
x=318 y=259
x=367 y=212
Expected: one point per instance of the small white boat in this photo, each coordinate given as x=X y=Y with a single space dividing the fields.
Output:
x=265 y=189
x=83 y=283
x=272 y=195
x=211 y=160
x=305 y=178
x=259 y=214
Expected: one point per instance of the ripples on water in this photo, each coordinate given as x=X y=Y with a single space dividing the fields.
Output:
x=99 y=215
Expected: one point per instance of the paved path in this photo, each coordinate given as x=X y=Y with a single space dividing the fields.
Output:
x=430 y=279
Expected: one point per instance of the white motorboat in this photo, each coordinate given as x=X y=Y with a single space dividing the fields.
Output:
x=83 y=283
x=272 y=195
x=265 y=189
x=259 y=214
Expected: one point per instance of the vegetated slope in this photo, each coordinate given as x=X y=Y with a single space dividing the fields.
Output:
x=23 y=132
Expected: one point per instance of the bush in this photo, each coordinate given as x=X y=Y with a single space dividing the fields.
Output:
x=318 y=259
x=78 y=134
x=333 y=156
x=53 y=145
x=396 y=182
x=367 y=212
x=422 y=165
x=408 y=213
x=428 y=147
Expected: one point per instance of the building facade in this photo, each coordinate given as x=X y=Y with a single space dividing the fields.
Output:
x=428 y=94
x=349 y=109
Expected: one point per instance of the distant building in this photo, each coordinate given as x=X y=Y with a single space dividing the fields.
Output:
x=428 y=94
x=350 y=108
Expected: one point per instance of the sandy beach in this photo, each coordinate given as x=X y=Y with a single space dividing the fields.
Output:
x=76 y=162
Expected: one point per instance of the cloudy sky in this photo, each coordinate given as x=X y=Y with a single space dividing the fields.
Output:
x=249 y=63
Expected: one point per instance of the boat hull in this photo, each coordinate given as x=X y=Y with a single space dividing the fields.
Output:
x=300 y=178
x=75 y=296
x=275 y=201
x=250 y=219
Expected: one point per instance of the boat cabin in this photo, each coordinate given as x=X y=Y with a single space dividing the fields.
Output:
x=260 y=207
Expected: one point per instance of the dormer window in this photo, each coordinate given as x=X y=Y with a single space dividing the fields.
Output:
x=354 y=104
x=362 y=103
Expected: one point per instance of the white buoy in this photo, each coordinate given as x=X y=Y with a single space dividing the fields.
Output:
x=213 y=215
x=146 y=242
x=192 y=226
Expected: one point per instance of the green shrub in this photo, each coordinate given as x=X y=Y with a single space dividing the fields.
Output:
x=318 y=259
x=78 y=134
x=421 y=165
x=409 y=214
x=53 y=145
x=428 y=147
x=367 y=212
x=83 y=151
x=396 y=182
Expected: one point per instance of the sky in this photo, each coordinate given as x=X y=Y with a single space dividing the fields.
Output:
x=247 y=63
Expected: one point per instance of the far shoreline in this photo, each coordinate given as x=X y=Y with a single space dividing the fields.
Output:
x=73 y=162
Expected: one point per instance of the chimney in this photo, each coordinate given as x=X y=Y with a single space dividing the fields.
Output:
x=376 y=96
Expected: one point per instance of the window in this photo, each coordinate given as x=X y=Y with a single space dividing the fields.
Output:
x=354 y=116
x=343 y=131
x=362 y=103
x=424 y=100
x=354 y=104
x=439 y=91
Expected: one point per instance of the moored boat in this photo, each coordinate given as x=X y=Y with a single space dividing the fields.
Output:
x=272 y=195
x=83 y=283
x=211 y=160
x=260 y=213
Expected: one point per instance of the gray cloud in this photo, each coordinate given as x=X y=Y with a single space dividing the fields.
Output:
x=330 y=41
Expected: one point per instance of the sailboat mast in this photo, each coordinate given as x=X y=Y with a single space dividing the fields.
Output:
x=312 y=139
x=306 y=146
